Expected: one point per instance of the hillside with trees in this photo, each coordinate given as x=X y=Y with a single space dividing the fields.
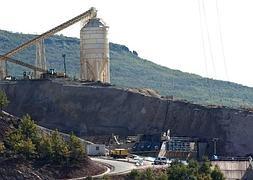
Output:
x=129 y=70
x=27 y=152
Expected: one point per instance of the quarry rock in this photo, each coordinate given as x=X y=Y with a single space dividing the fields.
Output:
x=88 y=109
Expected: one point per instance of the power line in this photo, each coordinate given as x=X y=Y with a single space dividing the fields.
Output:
x=210 y=48
x=202 y=37
x=221 y=39
x=204 y=47
x=208 y=37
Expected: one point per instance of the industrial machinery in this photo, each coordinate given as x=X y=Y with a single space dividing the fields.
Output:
x=52 y=74
x=119 y=153
x=44 y=74
x=38 y=41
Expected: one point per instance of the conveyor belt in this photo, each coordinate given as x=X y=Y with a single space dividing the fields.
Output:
x=84 y=16
x=21 y=63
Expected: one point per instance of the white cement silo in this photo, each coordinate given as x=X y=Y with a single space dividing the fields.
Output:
x=94 y=51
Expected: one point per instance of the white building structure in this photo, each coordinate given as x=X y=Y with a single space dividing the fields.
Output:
x=96 y=150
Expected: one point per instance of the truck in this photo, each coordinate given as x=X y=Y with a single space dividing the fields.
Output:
x=119 y=153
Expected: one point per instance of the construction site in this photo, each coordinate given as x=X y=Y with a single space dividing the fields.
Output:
x=94 y=52
x=94 y=109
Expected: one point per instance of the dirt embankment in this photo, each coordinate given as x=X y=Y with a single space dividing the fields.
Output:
x=7 y=124
x=22 y=169
x=98 y=110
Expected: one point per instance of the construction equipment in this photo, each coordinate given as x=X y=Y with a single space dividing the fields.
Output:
x=91 y=13
x=119 y=153
x=52 y=74
x=45 y=74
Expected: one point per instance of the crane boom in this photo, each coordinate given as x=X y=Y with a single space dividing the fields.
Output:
x=92 y=12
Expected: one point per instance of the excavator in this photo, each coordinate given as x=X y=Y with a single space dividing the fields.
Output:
x=84 y=17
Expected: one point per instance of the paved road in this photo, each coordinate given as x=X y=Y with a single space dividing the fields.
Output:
x=119 y=167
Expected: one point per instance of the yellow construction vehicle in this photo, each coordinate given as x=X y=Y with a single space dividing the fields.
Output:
x=119 y=153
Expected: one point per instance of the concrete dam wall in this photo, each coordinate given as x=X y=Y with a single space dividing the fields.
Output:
x=234 y=170
x=99 y=110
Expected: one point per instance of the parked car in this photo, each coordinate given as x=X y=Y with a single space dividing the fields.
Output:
x=160 y=161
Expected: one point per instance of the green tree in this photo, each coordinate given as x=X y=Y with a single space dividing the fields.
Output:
x=14 y=141
x=162 y=176
x=135 y=175
x=178 y=171
x=76 y=148
x=25 y=139
x=28 y=141
x=216 y=174
x=45 y=149
x=205 y=167
x=27 y=148
x=3 y=100
x=19 y=145
x=29 y=129
x=60 y=149
x=148 y=174
x=193 y=167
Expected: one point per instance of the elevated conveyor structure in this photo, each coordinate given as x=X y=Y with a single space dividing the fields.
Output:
x=21 y=63
x=91 y=13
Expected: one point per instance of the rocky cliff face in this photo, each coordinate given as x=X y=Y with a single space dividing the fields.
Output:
x=98 y=110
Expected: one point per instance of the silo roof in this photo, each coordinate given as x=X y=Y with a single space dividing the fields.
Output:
x=94 y=22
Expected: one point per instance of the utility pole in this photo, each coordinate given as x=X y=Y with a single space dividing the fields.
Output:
x=215 y=145
x=6 y=68
x=64 y=63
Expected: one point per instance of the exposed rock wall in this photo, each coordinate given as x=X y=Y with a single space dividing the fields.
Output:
x=97 y=110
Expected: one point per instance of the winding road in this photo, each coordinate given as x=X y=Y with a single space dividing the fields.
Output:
x=117 y=167
x=121 y=166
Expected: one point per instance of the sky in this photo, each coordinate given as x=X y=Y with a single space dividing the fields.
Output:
x=212 y=38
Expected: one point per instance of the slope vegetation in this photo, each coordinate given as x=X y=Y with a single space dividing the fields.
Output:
x=129 y=70
x=14 y=164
